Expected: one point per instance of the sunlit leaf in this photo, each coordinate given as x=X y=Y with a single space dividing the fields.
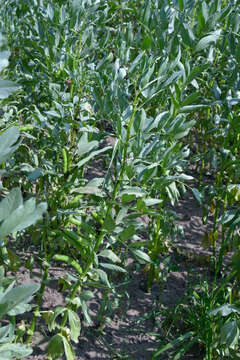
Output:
x=75 y=325
x=8 y=141
x=208 y=40
x=23 y=216
x=109 y=254
x=7 y=88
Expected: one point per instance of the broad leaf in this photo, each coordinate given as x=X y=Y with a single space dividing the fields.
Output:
x=224 y=310
x=75 y=325
x=55 y=348
x=9 y=351
x=25 y=215
x=11 y=202
x=92 y=155
x=230 y=333
x=127 y=233
x=8 y=143
x=109 y=254
x=141 y=256
x=131 y=190
x=113 y=267
x=7 y=88
x=208 y=40
x=69 y=352
x=17 y=295
x=109 y=223
x=4 y=55
x=84 y=146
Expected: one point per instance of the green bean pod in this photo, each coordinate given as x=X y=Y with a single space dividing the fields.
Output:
x=70 y=261
x=69 y=160
x=97 y=217
x=73 y=239
x=75 y=221
x=65 y=160
x=26 y=128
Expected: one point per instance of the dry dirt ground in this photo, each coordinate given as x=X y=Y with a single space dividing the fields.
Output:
x=129 y=330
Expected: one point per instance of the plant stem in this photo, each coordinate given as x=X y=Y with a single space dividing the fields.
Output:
x=39 y=300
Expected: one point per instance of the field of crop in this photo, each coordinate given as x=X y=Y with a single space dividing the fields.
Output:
x=120 y=179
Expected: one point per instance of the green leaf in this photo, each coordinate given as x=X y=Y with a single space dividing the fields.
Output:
x=136 y=61
x=224 y=310
x=227 y=217
x=230 y=333
x=141 y=256
x=69 y=352
x=85 y=311
x=92 y=155
x=173 y=343
x=84 y=146
x=133 y=190
x=75 y=325
x=198 y=196
x=87 y=295
x=152 y=202
x=190 y=108
x=208 y=40
x=109 y=254
x=57 y=311
x=127 y=233
x=11 y=202
x=7 y=88
x=7 y=141
x=103 y=276
x=25 y=215
x=109 y=223
x=4 y=56
x=113 y=267
x=20 y=309
x=186 y=34
x=4 y=331
x=18 y=295
x=92 y=190
x=9 y=351
x=55 y=348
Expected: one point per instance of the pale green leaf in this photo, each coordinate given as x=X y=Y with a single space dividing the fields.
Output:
x=208 y=40
x=141 y=256
x=69 y=352
x=8 y=143
x=11 y=202
x=113 y=267
x=75 y=325
x=7 y=87
x=109 y=254
x=92 y=155
x=84 y=146
x=22 y=217
x=17 y=295
x=9 y=351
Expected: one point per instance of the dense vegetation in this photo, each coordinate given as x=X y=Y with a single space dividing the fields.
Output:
x=109 y=111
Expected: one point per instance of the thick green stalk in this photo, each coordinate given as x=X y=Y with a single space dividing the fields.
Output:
x=37 y=309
